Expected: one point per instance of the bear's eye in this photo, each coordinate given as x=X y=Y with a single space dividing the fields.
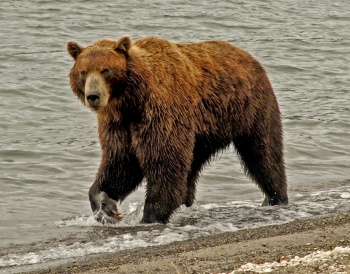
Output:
x=83 y=73
x=105 y=71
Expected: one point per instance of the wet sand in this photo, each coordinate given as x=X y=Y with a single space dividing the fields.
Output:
x=226 y=252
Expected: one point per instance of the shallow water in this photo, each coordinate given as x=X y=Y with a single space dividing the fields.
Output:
x=49 y=151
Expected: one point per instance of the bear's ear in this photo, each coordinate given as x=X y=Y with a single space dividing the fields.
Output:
x=74 y=49
x=123 y=44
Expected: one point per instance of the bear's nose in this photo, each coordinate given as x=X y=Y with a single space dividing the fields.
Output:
x=93 y=98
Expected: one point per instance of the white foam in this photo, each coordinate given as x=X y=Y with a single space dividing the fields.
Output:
x=321 y=258
x=244 y=204
x=79 y=221
x=210 y=206
x=131 y=217
x=63 y=251
x=170 y=237
x=345 y=195
x=216 y=228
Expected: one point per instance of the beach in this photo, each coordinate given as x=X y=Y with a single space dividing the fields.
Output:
x=227 y=252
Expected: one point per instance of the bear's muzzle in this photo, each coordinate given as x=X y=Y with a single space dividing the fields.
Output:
x=96 y=93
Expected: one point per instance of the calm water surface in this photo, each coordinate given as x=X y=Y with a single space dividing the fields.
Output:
x=49 y=151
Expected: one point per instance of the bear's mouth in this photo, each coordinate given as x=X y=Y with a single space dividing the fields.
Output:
x=94 y=108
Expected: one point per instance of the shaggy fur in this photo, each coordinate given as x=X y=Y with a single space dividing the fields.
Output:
x=165 y=109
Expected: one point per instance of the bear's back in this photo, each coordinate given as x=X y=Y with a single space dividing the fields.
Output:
x=200 y=57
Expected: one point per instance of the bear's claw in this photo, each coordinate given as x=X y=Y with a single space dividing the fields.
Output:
x=107 y=213
x=117 y=216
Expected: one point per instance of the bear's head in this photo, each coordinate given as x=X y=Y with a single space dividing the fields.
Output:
x=99 y=72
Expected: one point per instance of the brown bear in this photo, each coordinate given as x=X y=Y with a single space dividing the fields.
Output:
x=165 y=109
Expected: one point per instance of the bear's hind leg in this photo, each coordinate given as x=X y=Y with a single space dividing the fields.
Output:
x=201 y=155
x=262 y=158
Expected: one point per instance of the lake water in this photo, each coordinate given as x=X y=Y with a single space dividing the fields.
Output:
x=49 y=151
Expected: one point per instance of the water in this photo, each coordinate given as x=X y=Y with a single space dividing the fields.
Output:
x=49 y=151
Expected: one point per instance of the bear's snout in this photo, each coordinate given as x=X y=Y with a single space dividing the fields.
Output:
x=93 y=98
x=96 y=93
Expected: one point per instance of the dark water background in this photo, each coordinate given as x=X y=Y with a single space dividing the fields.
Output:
x=49 y=151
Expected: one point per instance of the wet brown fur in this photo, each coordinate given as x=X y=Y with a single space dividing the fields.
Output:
x=171 y=108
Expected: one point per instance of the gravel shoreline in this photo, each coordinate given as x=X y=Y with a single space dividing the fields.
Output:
x=226 y=252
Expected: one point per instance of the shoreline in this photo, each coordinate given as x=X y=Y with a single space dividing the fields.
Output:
x=225 y=252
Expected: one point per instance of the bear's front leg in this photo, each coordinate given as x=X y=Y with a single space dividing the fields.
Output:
x=104 y=208
x=163 y=198
x=166 y=184
x=117 y=177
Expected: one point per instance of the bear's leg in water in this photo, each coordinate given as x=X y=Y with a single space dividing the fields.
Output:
x=262 y=158
x=116 y=178
x=166 y=183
